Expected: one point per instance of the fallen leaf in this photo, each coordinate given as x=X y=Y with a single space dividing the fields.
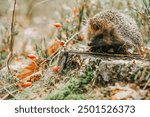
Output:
x=130 y=91
x=53 y=47
x=27 y=71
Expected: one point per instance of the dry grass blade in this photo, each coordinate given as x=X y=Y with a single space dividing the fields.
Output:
x=148 y=77
x=39 y=3
x=14 y=84
x=7 y=95
x=10 y=93
x=11 y=37
x=55 y=54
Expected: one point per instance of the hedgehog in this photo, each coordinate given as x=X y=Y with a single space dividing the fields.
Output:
x=112 y=30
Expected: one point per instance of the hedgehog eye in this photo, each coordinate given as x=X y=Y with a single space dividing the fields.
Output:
x=100 y=36
x=95 y=27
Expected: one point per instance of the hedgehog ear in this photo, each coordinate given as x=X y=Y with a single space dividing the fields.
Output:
x=93 y=24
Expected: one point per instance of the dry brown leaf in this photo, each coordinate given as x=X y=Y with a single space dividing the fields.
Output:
x=146 y=51
x=34 y=77
x=130 y=91
x=27 y=71
x=53 y=47
x=28 y=74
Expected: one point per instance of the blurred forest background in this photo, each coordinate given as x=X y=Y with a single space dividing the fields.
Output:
x=40 y=27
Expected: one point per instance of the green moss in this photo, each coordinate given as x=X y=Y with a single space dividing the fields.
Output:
x=74 y=88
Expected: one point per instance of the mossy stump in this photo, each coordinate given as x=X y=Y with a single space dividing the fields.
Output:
x=107 y=68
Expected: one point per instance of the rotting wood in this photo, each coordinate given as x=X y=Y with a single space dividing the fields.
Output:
x=107 y=68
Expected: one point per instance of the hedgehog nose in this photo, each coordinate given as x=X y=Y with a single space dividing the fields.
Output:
x=90 y=43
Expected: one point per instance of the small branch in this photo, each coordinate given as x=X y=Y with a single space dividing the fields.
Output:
x=7 y=90
x=71 y=38
x=11 y=37
x=14 y=84
x=7 y=95
x=131 y=56
x=32 y=77
x=59 y=49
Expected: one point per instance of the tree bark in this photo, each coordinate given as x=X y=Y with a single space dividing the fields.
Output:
x=107 y=68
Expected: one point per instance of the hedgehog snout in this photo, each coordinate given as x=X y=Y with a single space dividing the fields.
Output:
x=90 y=43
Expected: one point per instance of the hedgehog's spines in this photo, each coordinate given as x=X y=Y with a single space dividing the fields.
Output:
x=118 y=30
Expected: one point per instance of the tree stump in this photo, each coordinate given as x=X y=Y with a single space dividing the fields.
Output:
x=107 y=68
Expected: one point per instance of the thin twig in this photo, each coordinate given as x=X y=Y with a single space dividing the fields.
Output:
x=71 y=38
x=59 y=49
x=9 y=86
x=11 y=37
x=48 y=58
x=132 y=56
x=55 y=55
x=39 y=3
x=7 y=90
x=7 y=95
x=32 y=76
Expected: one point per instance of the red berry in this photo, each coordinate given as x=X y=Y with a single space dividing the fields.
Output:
x=27 y=84
x=57 y=25
x=56 y=69
x=62 y=43
x=32 y=56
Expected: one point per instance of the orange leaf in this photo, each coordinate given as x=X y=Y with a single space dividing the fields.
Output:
x=53 y=47
x=27 y=71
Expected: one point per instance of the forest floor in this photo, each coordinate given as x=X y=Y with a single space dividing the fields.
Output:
x=38 y=40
